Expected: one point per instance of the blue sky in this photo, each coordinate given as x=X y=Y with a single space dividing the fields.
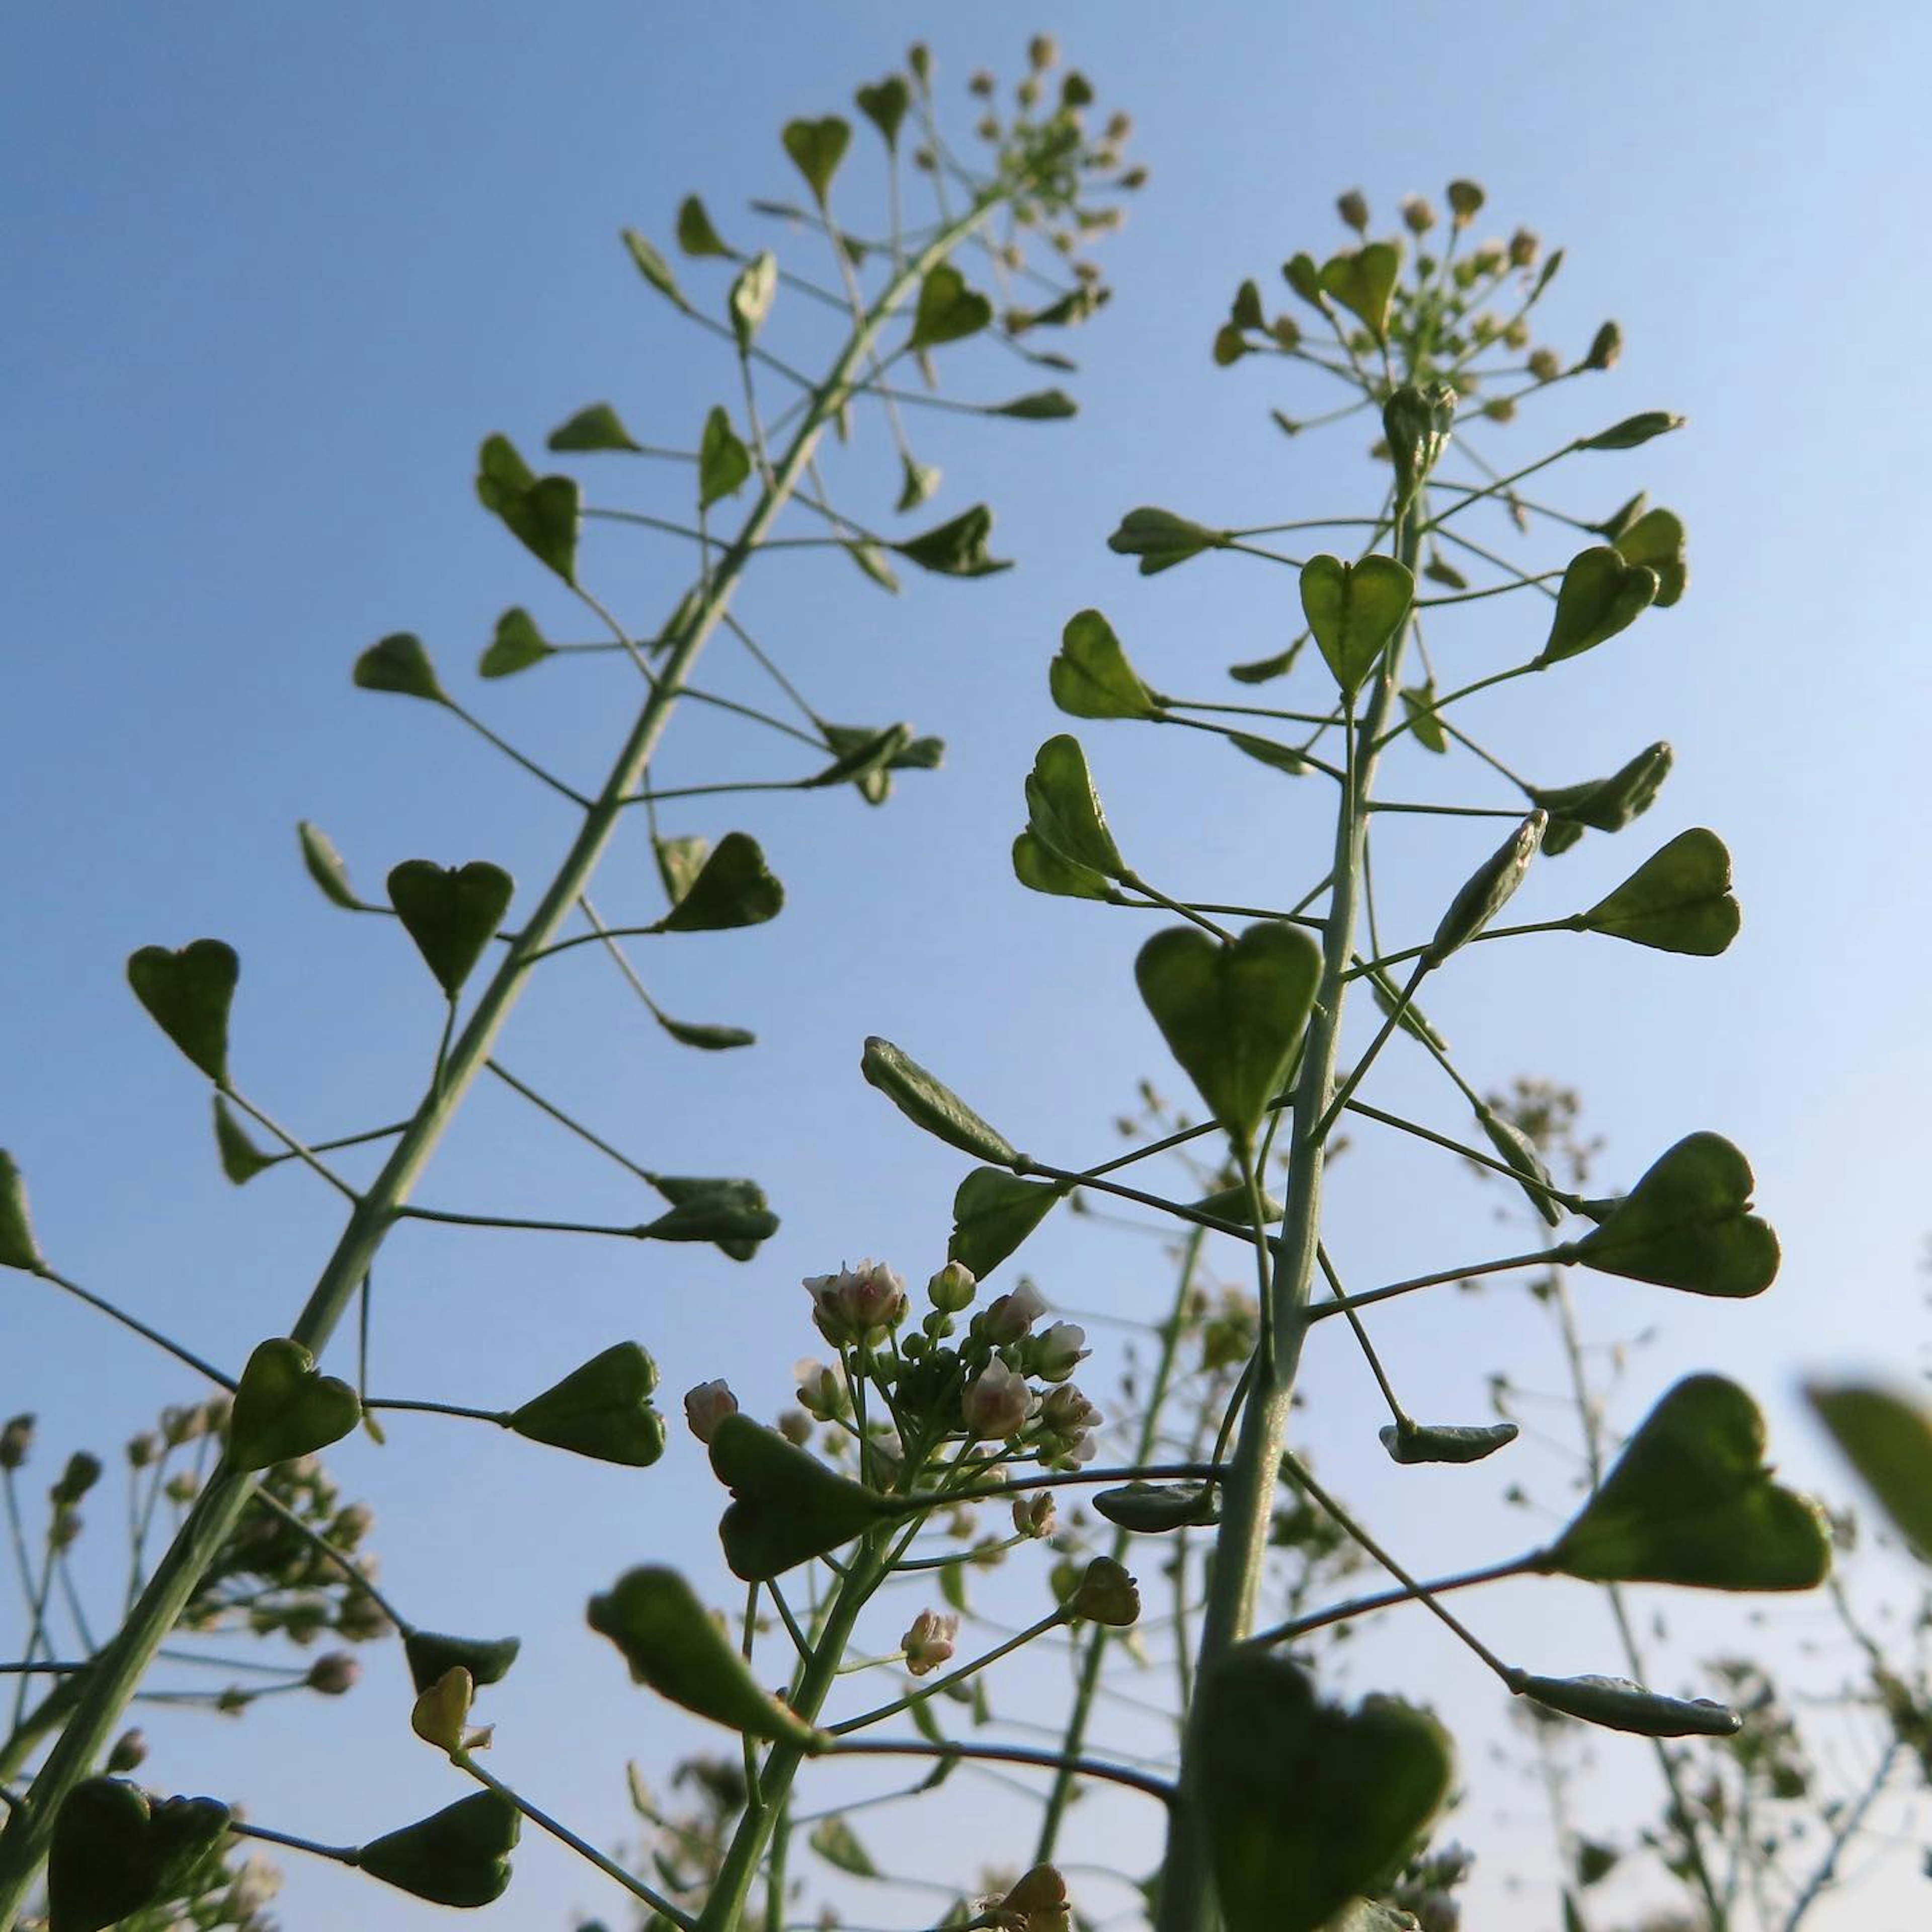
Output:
x=275 y=271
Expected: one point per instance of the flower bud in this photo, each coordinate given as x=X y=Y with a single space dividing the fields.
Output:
x=928 y=1643
x=1417 y=215
x=1545 y=364
x=334 y=1674
x=981 y=86
x=1067 y=1420
x=996 y=1402
x=1605 y=347
x=821 y=1390
x=1516 y=333
x=707 y=1405
x=16 y=1440
x=1353 y=207
x=1524 y=247
x=81 y=1473
x=143 y=1449
x=1035 y=1516
x=1466 y=201
x=1120 y=126
x=1042 y=51
x=1008 y=1317
x=951 y=1291
x=857 y=1305
x=351 y=1524
x=181 y=1425
x=128 y=1751
x=795 y=1426
x=181 y=1488
x=1054 y=1353
x=918 y=57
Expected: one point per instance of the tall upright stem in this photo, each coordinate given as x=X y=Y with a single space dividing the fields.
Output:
x=1248 y=1488
x=121 y=1664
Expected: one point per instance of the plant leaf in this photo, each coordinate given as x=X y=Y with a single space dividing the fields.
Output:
x=432 y=1655
x=242 y=1159
x=1161 y=540
x=1656 y=539
x=1690 y=1501
x=18 y=1248
x=724 y=462
x=596 y=427
x=957 y=548
x=788 y=1507
x=1042 y=405
x=1487 y=890
x=1151 y=1509
x=1679 y=900
x=1686 y=1224
x=1091 y=677
x=400 y=664
x=947 y=310
x=1604 y=804
x=1041 y=869
x=452 y=913
x=696 y=235
x=735 y=887
x=286 y=1407
x=654 y=269
x=325 y=867
x=1888 y=1439
x=1355 y=610
x=517 y=645
x=1447 y=1442
x=1233 y=1016
x=838 y=1844
x=458 y=1856
x=1618 y=1705
x=601 y=1409
x=727 y=1213
x=928 y=1103
x=885 y=105
x=816 y=148
x=1064 y=810
x=1600 y=596
x=115 y=1851
x=188 y=995
x=993 y=1212
x=1362 y=280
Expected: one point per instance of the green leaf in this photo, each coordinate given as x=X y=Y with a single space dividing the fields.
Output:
x=838 y=1844
x=242 y=1159
x=1618 y=1705
x=400 y=664
x=325 y=867
x=872 y=560
x=1633 y=431
x=728 y=1213
x=1383 y=991
x=993 y=1212
x=1620 y=519
x=1041 y=406
x=1268 y=751
x=920 y=481
x=1604 y=804
x=947 y=310
x=816 y=148
x=1888 y=1439
x=707 y=1037
x=1233 y=1016
x=862 y=757
x=188 y=995
x=788 y=1507
x=1161 y=540
x=695 y=234
x=541 y=512
x=1487 y=890
x=452 y=912
x=654 y=268
x=734 y=888
x=1151 y=1509
x=1362 y=280
x=1041 y=869
x=750 y=300
x=1517 y=1148
x=1090 y=676
x=679 y=862
x=1356 y=611
x=517 y=645
x=115 y=1851
x=1600 y=596
x=929 y=1103
x=955 y=549
x=286 y=1407
x=433 y=1654
x=1262 y=670
x=724 y=462
x=457 y=1856
x=1446 y=1442
x=1418 y=705
x=672 y=1643
x=1304 y=277
x=1656 y=539
x=885 y=106
x=597 y=426
x=601 y=1409
x=1690 y=1501
x=1686 y=1224
x=18 y=1248
x=1679 y=900
x=1064 y=810
x=1307 y=1805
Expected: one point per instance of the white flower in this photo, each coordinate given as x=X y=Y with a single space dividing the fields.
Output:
x=707 y=1405
x=1034 y=1515
x=857 y=1305
x=928 y=1643
x=1054 y=1353
x=821 y=1390
x=1011 y=1315
x=996 y=1402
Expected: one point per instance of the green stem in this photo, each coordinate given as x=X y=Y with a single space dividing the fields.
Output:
x=24 y=1842
x=1248 y=1488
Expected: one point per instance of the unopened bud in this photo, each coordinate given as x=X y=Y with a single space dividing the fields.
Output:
x=928 y=1643
x=1353 y=207
x=821 y=1391
x=1545 y=364
x=918 y=57
x=707 y=1405
x=795 y=1426
x=143 y=1449
x=16 y=1441
x=1605 y=347
x=1417 y=216
x=1524 y=247
x=1466 y=201
x=81 y=1473
x=1042 y=51
x=128 y=1750
x=1055 y=1352
x=951 y=1291
x=981 y=86
x=1034 y=1515
x=1008 y=1317
x=997 y=1402
x=334 y=1674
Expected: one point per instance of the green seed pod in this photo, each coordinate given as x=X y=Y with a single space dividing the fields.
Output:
x=1416 y=422
x=1488 y=890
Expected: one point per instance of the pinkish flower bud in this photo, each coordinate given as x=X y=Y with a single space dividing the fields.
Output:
x=951 y=1289
x=996 y=1402
x=928 y=1643
x=707 y=1405
x=1008 y=1317
x=334 y=1674
x=1054 y=1353
x=1034 y=1515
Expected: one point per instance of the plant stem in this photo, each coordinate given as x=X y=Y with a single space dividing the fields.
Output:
x=217 y=1510
x=1248 y=1488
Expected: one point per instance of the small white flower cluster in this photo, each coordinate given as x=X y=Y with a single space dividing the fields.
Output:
x=857 y=1306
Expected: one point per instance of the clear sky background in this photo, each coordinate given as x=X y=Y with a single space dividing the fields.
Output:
x=272 y=273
